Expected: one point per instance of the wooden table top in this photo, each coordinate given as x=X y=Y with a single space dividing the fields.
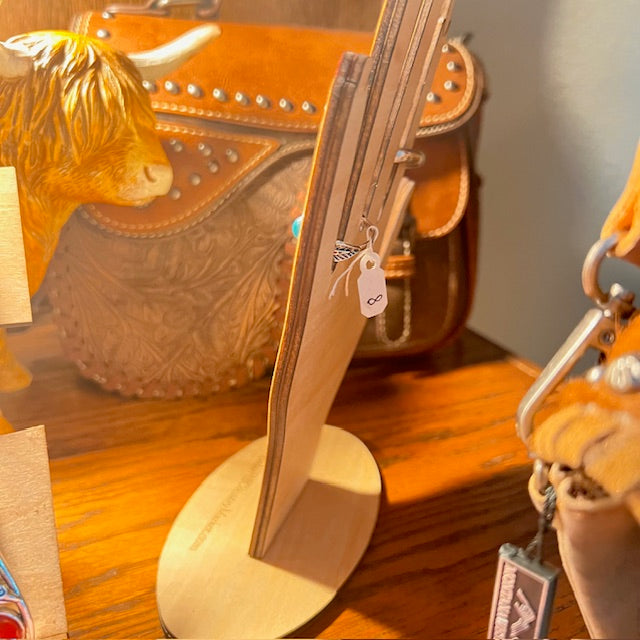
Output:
x=441 y=427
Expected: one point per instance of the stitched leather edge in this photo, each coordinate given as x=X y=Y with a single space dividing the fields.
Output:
x=463 y=195
x=209 y=205
x=465 y=107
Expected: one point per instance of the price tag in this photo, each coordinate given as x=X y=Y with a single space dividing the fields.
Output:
x=372 y=286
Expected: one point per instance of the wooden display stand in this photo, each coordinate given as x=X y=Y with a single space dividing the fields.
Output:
x=256 y=559
x=28 y=541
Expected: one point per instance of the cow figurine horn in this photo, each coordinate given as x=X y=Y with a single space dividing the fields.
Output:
x=15 y=62
x=159 y=62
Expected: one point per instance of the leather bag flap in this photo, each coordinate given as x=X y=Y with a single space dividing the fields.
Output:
x=209 y=167
x=271 y=76
x=256 y=94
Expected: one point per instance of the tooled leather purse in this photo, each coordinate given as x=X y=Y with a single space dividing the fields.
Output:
x=185 y=296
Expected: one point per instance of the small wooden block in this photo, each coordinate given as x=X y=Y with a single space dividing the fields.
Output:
x=27 y=529
x=15 y=303
x=210 y=587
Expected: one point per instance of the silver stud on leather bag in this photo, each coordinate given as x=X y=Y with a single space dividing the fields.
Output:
x=175 y=193
x=452 y=65
x=172 y=87
x=103 y=34
x=195 y=179
x=446 y=48
x=433 y=98
x=450 y=85
x=285 y=105
x=307 y=107
x=176 y=145
x=213 y=166
x=232 y=155
x=107 y=15
x=220 y=95
x=263 y=102
x=242 y=98
x=205 y=149
x=195 y=91
x=151 y=87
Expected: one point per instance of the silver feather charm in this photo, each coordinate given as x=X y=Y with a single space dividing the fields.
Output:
x=345 y=251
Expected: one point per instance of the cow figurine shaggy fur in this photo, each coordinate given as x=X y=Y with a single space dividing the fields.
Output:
x=77 y=125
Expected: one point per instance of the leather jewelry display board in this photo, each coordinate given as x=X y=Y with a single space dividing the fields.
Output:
x=186 y=296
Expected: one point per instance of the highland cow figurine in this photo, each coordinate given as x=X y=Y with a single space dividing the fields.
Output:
x=77 y=124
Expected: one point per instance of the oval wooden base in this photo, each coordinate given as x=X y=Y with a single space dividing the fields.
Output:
x=208 y=585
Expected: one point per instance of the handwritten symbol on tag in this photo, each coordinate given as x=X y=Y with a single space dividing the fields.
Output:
x=372 y=286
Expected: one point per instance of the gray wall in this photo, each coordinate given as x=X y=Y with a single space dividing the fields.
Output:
x=560 y=130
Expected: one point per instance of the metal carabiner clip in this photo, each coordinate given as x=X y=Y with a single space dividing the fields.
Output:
x=598 y=329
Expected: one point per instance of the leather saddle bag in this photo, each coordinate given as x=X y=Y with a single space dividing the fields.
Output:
x=186 y=296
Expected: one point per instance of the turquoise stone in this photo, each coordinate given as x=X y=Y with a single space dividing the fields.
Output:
x=296 y=225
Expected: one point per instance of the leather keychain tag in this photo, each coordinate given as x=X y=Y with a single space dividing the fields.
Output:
x=522 y=597
x=525 y=586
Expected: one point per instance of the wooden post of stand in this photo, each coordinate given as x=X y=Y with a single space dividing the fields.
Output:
x=255 y=559
x=28 y=540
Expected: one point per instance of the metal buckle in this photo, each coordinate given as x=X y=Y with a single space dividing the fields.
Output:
x=598 y=330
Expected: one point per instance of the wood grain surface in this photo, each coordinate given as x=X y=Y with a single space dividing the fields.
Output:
x=441 y=428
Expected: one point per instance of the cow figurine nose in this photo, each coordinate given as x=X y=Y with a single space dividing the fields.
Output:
x=160 y=177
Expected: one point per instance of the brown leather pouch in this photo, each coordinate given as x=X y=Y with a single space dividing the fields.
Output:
x=586 y=443
x=185 y=296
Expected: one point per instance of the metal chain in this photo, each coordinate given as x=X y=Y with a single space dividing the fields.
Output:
x=381 y=320
x=534 y=548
